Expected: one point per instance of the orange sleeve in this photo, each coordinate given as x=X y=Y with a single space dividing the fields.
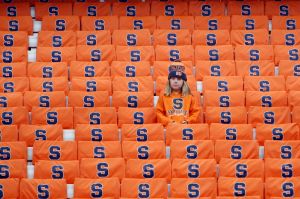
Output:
x=160 y=112
x=194 y=112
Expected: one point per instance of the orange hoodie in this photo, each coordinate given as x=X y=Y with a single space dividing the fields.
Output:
x=177 y=108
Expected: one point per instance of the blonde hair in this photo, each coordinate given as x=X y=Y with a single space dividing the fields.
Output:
x=185 y=89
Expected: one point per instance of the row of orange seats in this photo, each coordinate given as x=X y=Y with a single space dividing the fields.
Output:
x=155 y=8
x=206 y=188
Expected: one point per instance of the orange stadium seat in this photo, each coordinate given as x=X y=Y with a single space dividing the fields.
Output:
x=11 y=99
x=172 y=53
x=14 y=116
x=242 y=168
x=214 y=53
x=144 y=150
x=236 y=149
x=13 y=54
x=61 y=23
x=285 y=37
x=212 y=23
x=130 y=69
x=47 y=69
x=192 y=149
x=22 y=23
x=13 y=150
x=289 y=68
x=89 y=23
x=13 y=168
x=60 y=54
x=245 y=8
x=264 y=83
x=250 y=37
x=107 y=149
x=7 y=185
x=15 y=84
x=293 y=98
x=266 y=99
x=34 y=188
x=142 y=169
x=230 y=131
x=15 y=9
x=49 y=84
x=95 y=53
x=102 y=132
x=282 y=187
x=95 y=115
x=229 y=83
x=179 y=8
x=131 y=9
x=142 y=132
x=281 y=168
x=254 y=53
x=194 y=188
x=222 y=99
x=269 y=115
x=13 y=39
x=240 y=187
x=135 y=53
x=295 y=114
x=284 y=8
x=206 y=8
x=287 y=149
x=88 y=99
x=44 y=99
x=186 y=132
x=127 y=115
x=16 y=69
x=31 y=133
x=161 y=68
x=106 y=188
x=102 y=168
x=93 y=38
x=91 y=8
x=161 y=83
x=291 y=53
x=211 y=38
x=46 y=169
x=91 y=84
x=153 y=188
x=137 y=23
x=9 y=133
x=197 y=168
x=292 y=83
x=133 y=84
x=255 y=68
x=56 y=39
x=131 y=37
x=52 y=9
x=132 y=99
x=171 y=37
x=226 y=115
x=89 y=69
x=175 y=22
x=285 y=22
x=239 y=22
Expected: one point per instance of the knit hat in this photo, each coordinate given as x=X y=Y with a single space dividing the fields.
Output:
x=177 y=69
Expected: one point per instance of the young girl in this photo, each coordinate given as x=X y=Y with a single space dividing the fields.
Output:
x=177 y=104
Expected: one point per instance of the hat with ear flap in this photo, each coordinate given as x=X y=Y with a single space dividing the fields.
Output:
x=177 y=69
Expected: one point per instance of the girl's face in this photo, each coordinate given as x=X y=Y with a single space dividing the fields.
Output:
x=176 y=83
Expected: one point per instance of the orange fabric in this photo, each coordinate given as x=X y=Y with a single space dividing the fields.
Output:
x=131 y=9
x=133 y=188
x=161 y=68
x=88 y=99
x=289 y=68
x=287 y=149
x=243 y=168
x=250 y=37
x=254 y=53
x=47 y=69
x=14 y=116
x=89 y=69
x=236 y=149
x=13 y=169
x=54 y=115
x=172 y=53
x=60 y=54
x=255 y=68
x=68 y=170
x=52 y=9
x=198 y=187
x=13 y=39
x=285 y=37
x=95 y=53
x=7 y=185
x=175 y=22
x=269 y=115
x=230 y=131
x=90 y=23
x=293 y=98
x=31 y=133
x=54 y=150
x=211 y=38
x=95 y=115
x=44 y=99
x=93 y=38
x=239 y=22
x=188 y=168
x=91 y=8
x=241 y=187
x=49 y=84
x=177 y=108
x=142 y=132
x=186 y=132
x=13 y=54
x=282 y=168
x=212 y=23
x=206 y=8
x=278 y=187
x=96 y=187
x=214 y=53
x=136 y=23
x=284 y=8
x=135 y=53
x=102 y=168
x=128 y=115
x=171 y=37
x=22 y=23
x=15 y=9
x=34 y=188
x=102 y=132
x=144 y=150
x=192 y=149
x=285 y=22
x=291 y=53
x=133 y=84
x=9 y=133
x=56 y=39
x=17 y=69
x=61 y=23
x=230 y=83
x=131 y=37
x=15 y=84
x=105 y=149
x=11 y=99
x=13 y=150
x=266 y=99
x=156 y=168
x=245 y=8
x=130 y=69
x=222 y=99
x=264 y=83
x=296 y=115
x=91 y=84
x=132 y=99
x=226 y=115
x=179 y=8
x=292 y=83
